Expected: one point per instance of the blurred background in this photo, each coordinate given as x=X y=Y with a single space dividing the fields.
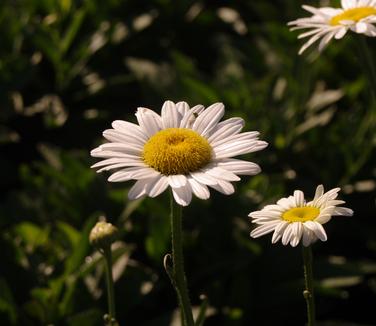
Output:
x=69 y=68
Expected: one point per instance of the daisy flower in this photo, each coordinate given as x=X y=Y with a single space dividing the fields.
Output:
x=326 y=23
x=292 y=218
x=184 y=148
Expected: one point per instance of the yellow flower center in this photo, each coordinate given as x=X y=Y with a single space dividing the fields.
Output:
x=354 y=14
x=301 y=214
x=177 y=151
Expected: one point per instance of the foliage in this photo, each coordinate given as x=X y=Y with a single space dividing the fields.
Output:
x=69 y=68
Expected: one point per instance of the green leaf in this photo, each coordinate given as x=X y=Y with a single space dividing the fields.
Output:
x=70 y=232
x=32 y=234
x=72 y=31
x=7 y=303
x=80 y=251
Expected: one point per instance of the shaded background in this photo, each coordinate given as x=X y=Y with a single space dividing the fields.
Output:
x=69 y=68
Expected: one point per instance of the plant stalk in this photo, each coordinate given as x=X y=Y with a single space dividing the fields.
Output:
x=177 y=276
x=308 y=291
x=107 y=253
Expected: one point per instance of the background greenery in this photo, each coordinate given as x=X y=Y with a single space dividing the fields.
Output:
x=69 y=68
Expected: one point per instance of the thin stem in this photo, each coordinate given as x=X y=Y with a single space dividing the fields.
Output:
x=107 y=253
x=308 y=291
x=202 y=313
x=178 y=276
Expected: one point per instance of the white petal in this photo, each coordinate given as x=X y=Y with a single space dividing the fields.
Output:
x=200 y=190
x=287 y=234
x=220 y=173
x=125 y=174
x=182 y=108
x=344 y=211
x=224 y=187
x=297 y=230
x=286 y=203
x=331 y=194
x=239 y=166
x=158 y=187
x=347 y=4
x=191 y=116
x=117 y=160
x=238 y=148
x=129 y=128
x=308 y=236
x=325 y=40
x=102 y=153
x=312 y=40
x=323 y=218
x=319 y=192
x=361 y=27
x=117 y=136
x=299 y=198
x=371 y=29
x=170 y=115
x=139 y=189
x=208 y=119
x=149 y=121
x=340 y=33
x=249 y=135
x=263 y=229
x=183 y=195
x=133 y=173
x=280 y=228
x=204 y=178
x=129 y=149
x=226 y=128
x=122 y=165
x=177 y=181
x=317 y=229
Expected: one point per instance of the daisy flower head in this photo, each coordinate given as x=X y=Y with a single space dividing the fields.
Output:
x=187 y=149
x=327 y=23
x=292 y=219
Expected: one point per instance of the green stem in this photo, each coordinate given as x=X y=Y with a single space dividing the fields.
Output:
x=107 y=253
x=308 y=291
x=178 y=276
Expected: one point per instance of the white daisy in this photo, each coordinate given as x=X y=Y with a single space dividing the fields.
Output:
x=326 y=23
x=293 y=218
x=185 y=148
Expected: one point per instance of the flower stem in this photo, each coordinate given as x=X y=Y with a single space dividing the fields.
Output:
x=308 y=291
x=177 y=274
x=111 y=317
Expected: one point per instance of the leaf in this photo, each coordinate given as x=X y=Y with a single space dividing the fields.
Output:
x=80 y=251
x=32 y=234
x=7 y=303
x=72 y=31
x=70 y=232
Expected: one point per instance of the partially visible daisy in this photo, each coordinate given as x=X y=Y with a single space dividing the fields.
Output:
x=293 y=219
x=184 y=148
x=326 y=23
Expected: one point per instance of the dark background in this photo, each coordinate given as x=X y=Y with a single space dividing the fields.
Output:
x=68 y=68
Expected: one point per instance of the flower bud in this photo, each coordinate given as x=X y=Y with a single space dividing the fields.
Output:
x=103 y=234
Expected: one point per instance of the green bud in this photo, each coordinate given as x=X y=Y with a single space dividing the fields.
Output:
x=103 y=234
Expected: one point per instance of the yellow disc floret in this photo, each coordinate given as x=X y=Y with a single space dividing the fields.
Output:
x=301 y=214
x=353 y=14
x=177 y=151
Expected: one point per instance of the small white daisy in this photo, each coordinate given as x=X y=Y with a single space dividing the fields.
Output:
x=326 y=23
x=185 y=148
x=293 y=218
